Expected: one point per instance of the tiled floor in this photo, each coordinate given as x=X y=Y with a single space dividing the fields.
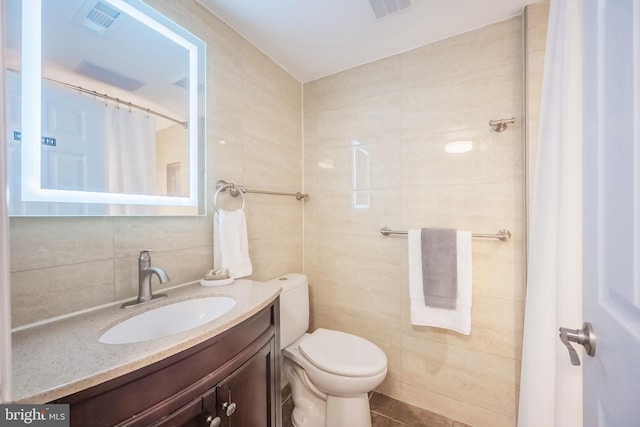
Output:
x=287 y=407
x=385 y=412
x=389 y=412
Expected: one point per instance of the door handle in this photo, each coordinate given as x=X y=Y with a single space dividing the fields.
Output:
x=585 y=337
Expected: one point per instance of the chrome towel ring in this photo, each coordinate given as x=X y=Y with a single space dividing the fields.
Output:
x=233 y=190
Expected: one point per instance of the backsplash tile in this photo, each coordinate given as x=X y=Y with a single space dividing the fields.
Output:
x=40 y=242
x=182 y=266
x=48 y=292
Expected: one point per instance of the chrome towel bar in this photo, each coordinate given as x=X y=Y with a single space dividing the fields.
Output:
x=503 y=234
x=235 y=189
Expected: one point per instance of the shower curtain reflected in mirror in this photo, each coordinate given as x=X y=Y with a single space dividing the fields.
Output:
x=130 y=141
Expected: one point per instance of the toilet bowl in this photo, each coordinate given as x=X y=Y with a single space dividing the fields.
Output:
x=330 y=372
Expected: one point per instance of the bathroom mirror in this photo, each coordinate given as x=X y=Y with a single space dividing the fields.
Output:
x=106 y=104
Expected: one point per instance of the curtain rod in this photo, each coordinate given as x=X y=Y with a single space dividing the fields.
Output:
x=118 y=101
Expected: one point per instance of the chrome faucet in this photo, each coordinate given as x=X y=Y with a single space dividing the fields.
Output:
x=145 y=271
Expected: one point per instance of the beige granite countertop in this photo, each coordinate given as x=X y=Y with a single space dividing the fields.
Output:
x=63 y=357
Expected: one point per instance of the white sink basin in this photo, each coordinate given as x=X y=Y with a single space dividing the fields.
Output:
x=168 y=320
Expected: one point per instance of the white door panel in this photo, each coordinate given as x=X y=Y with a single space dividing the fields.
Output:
x=66 y=117
x=612 y=211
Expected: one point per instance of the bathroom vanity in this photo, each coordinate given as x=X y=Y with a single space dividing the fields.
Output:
x=226 y=373
x=228 y=377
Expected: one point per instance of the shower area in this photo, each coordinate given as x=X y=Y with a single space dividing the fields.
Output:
x=433 y=137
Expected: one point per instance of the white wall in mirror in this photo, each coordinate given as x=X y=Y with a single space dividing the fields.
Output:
x=111 y=125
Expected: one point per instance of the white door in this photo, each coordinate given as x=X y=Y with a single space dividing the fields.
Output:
x=77 y=160
x=612 y=212
x=72 y=150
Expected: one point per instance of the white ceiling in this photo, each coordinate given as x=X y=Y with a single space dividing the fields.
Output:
x=316 y=38
x=109 y=62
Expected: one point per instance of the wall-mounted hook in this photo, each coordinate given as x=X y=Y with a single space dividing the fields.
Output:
x=500 y=125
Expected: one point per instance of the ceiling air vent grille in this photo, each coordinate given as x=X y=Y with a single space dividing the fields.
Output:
x=382 y=8
x=102 y=16
x=97 y=16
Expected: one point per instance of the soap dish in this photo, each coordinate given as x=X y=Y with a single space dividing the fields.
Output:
x=220 y=282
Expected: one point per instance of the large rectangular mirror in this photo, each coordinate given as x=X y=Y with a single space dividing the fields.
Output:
x=105 y=103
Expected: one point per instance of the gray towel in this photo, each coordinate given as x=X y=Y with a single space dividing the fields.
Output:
x=439 y=267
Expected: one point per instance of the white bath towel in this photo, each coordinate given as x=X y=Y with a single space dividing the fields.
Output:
x=458 y=319
x=230 y=244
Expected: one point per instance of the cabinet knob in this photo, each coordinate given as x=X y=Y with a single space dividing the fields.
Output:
x=213 y=422
x=229 y=408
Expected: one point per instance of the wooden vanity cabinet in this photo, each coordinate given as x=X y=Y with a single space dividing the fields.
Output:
x=234 y=376
x=240 y=400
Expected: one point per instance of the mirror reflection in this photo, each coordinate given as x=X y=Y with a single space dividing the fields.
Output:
x=120 y=109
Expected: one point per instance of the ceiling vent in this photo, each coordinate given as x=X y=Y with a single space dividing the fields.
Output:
x=183 y=83
x=97 y=16
x=383 y=8
x=107 y=76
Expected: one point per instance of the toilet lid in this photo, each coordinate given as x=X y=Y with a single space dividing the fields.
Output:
x=343 y=354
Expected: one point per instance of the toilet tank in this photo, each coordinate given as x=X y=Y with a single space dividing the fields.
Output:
x=294 y=307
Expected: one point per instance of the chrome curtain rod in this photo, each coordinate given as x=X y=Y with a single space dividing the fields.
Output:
x=118 y=101
x=503 y=234
x=234 y=190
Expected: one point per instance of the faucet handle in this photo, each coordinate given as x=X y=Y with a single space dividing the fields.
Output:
x=144 y=255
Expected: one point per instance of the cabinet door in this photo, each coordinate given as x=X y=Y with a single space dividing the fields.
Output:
x=245 y=397
x=200 y=412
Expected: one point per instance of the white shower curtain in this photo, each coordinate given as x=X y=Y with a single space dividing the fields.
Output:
x=130 y=141
x=550 y=387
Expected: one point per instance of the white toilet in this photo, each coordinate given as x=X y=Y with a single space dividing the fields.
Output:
x=330 y=372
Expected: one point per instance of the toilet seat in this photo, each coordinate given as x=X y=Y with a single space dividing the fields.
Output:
x=343 y=354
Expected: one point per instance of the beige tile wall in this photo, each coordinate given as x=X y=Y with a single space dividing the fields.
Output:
x=402 y=110
x=61 y=265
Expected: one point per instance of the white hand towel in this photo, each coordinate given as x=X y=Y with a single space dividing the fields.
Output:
x=458 y=319
x=231 y=246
